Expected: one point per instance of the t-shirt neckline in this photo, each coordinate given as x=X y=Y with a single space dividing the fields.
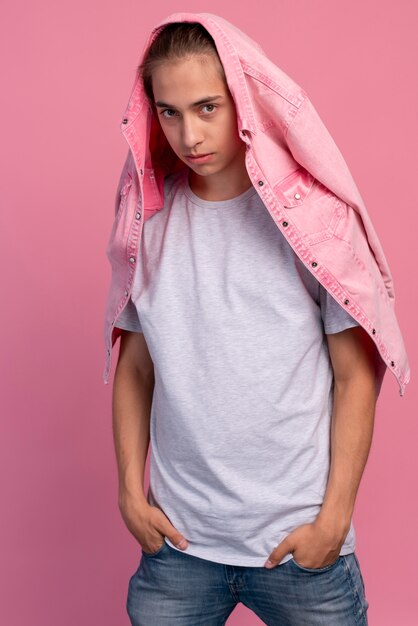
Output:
x=216 y=204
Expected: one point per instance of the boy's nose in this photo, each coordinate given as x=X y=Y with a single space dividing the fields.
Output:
x=192 y=135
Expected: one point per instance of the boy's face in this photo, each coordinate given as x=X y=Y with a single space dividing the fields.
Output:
x=190 y=128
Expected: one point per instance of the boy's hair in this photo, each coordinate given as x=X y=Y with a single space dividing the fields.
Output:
x=176 y=41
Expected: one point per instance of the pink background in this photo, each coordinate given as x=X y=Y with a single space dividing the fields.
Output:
x=67 y=71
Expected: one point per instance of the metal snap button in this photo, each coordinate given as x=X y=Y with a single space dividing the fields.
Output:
x=285 y=223
x=314 y=263
x=132 y=259
x=137 y=215
x=297 y=196
x=346 y=301
x=260 y=182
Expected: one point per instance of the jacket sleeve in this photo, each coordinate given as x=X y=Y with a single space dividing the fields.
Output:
x=312 y=146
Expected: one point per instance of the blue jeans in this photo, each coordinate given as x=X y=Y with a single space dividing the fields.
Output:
x=173 y=588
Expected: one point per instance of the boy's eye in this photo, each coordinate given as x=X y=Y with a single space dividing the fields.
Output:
x=165 y=111
x=172 y=110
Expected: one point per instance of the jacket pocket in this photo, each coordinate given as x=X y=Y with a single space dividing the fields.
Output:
x=125 y=203
x=309 y=205
x=122 y=196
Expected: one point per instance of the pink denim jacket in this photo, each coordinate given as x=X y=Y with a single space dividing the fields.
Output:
x=297 y=170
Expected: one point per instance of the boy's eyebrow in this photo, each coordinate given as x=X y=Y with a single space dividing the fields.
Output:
x=159 y=103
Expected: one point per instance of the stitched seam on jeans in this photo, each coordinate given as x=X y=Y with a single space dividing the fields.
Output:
x=359 y=571
x=356 y=599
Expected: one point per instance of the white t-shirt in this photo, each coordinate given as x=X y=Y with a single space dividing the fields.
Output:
x=240 y=421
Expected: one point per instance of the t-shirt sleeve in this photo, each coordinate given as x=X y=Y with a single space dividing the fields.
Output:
x=335 y=318
x=128 y=319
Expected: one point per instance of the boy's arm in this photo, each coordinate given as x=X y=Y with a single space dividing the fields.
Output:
x=133 y=389
x=352 y=356
x=318 y=544
x=131 y=408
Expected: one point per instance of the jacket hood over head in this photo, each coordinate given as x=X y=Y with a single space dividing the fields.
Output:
x=300 y=138
x=290 y=149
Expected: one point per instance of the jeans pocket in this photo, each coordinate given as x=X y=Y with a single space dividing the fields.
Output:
x=315 y=570
x=152 y=554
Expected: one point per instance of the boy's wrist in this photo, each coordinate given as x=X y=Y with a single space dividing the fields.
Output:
x=336 y=523
x=129 y=493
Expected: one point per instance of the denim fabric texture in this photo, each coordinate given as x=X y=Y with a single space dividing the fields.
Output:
x=171 y=588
